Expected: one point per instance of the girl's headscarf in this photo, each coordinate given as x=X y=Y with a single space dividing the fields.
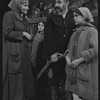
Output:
x=85 y=12
x=15 y=5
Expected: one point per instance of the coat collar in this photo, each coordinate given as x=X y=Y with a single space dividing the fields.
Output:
x=18 y=16
x=86 y=25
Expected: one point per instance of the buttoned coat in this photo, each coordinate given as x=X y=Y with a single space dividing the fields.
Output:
x=57 y=33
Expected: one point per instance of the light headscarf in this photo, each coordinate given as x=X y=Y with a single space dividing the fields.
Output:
x=85 y=12
x=15 y=5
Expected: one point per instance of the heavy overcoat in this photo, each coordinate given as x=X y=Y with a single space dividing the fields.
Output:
x=57 y=33
x=17 y=74
x=84 y=44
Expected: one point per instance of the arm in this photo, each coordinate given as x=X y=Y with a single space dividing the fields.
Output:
x=90 y=54
x=48 y=37
x=8 y=28
x=48 y=30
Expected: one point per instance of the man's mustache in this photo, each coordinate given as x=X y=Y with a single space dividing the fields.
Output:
x=56 y=7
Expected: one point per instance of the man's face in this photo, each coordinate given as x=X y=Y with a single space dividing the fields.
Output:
x=60 y=6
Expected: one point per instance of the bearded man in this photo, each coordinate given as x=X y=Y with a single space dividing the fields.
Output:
x=58 y=29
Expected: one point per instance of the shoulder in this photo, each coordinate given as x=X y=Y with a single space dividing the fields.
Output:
x=51 y=17
x=92 y=29
x=8 y=14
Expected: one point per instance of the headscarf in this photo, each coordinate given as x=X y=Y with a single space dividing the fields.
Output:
x=85 y=12
x=15 y=5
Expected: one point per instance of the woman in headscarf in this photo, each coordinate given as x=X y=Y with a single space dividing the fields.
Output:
x=82 y=59
x=18 y=81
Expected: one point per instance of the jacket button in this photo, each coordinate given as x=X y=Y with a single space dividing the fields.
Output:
x=64 y=35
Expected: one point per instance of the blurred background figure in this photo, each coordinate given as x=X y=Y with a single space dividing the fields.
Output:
x=38 y=63
x=95 y=13
x=75 y=4
x=49 y=8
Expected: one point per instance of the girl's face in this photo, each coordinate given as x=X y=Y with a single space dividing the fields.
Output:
x=41 y=26
x=78 y=18
x=24 y=8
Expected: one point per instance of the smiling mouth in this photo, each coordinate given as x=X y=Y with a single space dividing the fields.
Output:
x=26 y=10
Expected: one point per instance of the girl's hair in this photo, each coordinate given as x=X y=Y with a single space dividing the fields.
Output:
x=38 y=24
x=42 y=22
x=78 y=12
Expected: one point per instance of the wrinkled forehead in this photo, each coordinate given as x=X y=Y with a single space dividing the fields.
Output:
x=20 y=2
x=24 y=1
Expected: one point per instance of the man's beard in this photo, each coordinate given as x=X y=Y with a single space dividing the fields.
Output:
x=58 y=10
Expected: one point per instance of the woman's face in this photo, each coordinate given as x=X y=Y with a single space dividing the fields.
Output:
x=78 y=18
x=41 y=26
x=24 y=8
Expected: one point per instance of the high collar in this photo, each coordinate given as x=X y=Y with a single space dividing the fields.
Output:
x=18 y=16
x=64 y=14
x=85 y=25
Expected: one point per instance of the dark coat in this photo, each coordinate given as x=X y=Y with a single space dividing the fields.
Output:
x=17 y=76
x=86 y=46
x=57 y=33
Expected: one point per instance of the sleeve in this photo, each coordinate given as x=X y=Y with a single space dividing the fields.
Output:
x=48 y=36
x=90 y=54
x=48 y=29
x=8 y=28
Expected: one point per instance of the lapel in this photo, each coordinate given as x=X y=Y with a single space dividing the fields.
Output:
x=20 y=18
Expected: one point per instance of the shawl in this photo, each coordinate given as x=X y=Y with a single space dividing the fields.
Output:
x=78 y=32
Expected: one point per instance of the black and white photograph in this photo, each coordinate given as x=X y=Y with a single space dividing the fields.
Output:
x=49 y=50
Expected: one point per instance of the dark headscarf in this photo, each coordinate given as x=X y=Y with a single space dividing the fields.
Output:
x=15 y=5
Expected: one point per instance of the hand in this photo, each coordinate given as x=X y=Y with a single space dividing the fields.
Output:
x=76 y=62
x=27 y=35
x=68 y=60
x=54 y=57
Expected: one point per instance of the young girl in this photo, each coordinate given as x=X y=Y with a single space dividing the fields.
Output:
x=82 y=59
x=38 y=38
x=38 y=62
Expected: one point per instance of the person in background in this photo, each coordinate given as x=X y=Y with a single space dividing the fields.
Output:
x=35 y=12
x=82 y=59
x=18 y=83
x=75 y=4
x=38 y=39
x=49 y=8
x=58 y=29
x=38 y=62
